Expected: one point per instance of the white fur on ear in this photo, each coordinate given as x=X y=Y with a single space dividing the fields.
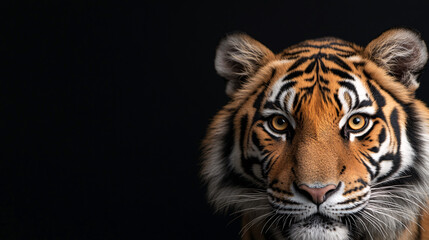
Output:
x=402 y=53
x=238 y=57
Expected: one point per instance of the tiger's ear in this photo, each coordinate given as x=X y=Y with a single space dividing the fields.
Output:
x=402 y=53
x=238 y=57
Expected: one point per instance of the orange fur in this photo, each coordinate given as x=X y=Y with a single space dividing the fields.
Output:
x=319 y=153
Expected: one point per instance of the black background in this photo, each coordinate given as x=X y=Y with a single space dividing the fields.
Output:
x=104 y=106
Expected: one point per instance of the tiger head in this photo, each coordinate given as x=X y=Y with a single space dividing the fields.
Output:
x=324 y=140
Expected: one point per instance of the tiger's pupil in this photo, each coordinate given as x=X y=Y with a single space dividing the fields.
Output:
x=356 y=121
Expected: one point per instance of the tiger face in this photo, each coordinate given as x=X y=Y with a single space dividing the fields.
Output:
x=324 y=140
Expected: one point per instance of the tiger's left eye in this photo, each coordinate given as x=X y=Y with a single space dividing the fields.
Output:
x=357 y=122
x=279 y=124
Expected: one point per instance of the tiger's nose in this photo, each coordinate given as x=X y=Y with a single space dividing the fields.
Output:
x=318 y=195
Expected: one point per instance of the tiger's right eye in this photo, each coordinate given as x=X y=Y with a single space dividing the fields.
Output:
x=278 y=124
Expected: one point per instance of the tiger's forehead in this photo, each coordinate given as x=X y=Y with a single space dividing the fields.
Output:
x=316 y=74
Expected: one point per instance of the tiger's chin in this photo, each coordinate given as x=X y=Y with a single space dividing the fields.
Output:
x=318 y=227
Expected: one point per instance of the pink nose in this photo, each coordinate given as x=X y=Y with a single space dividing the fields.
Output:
x=318 y=195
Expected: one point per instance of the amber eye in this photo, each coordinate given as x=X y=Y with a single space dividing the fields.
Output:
x=357 y=122
x=279 y=124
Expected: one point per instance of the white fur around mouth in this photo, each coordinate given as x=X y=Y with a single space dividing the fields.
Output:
x=319 y=227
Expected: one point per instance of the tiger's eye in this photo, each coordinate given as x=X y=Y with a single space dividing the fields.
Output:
x=279 y=123
x=357 y=122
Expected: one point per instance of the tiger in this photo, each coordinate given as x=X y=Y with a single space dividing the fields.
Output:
x=324 y=140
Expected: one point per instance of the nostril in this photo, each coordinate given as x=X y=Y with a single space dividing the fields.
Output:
x=306 y=194
x=302 y=191
x=328 y=193
x=332 y=191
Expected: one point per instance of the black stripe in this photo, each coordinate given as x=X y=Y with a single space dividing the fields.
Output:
x=256 y=142
x=259 y=99
x=382 y=136
x=329 y=46
x=292 y=75
x=347 y=55
x=257 y=104
x=272 y=105
x=349 y=86
x=338 y=61
x=341 y=74
x=352 y=207
x=337 y=111
x=308 y=90
x=413 y=132
x=295 y=101
x=246 y=163
x=352 y=88
x=337 y=100
x=243 y=127
x=261 y=96
x=345 y=52
x=374 y=149
x=358 y=64
x=372 y=162
x=321 y=79
x=367 y=75
x=394 y=121
x=269 y=165
x=323 y=67
x=310 y=67
x=297 y=63
x=273 y=73
x=295 y=53
x=407 y=177
x=298 y=106
x=313 y=46
x=395 y=158
x=309 y=79
x=368 y=169
x=228 y=139
x=285 y=88
x=364 y=103
x=379 y=99
x=358 y=198
x=229 y=176
x=324 y=89
x=386 y=157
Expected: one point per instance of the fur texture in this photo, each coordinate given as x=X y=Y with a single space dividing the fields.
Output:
x=351 y=160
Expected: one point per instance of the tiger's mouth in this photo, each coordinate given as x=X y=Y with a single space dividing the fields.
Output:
x=318 y=219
